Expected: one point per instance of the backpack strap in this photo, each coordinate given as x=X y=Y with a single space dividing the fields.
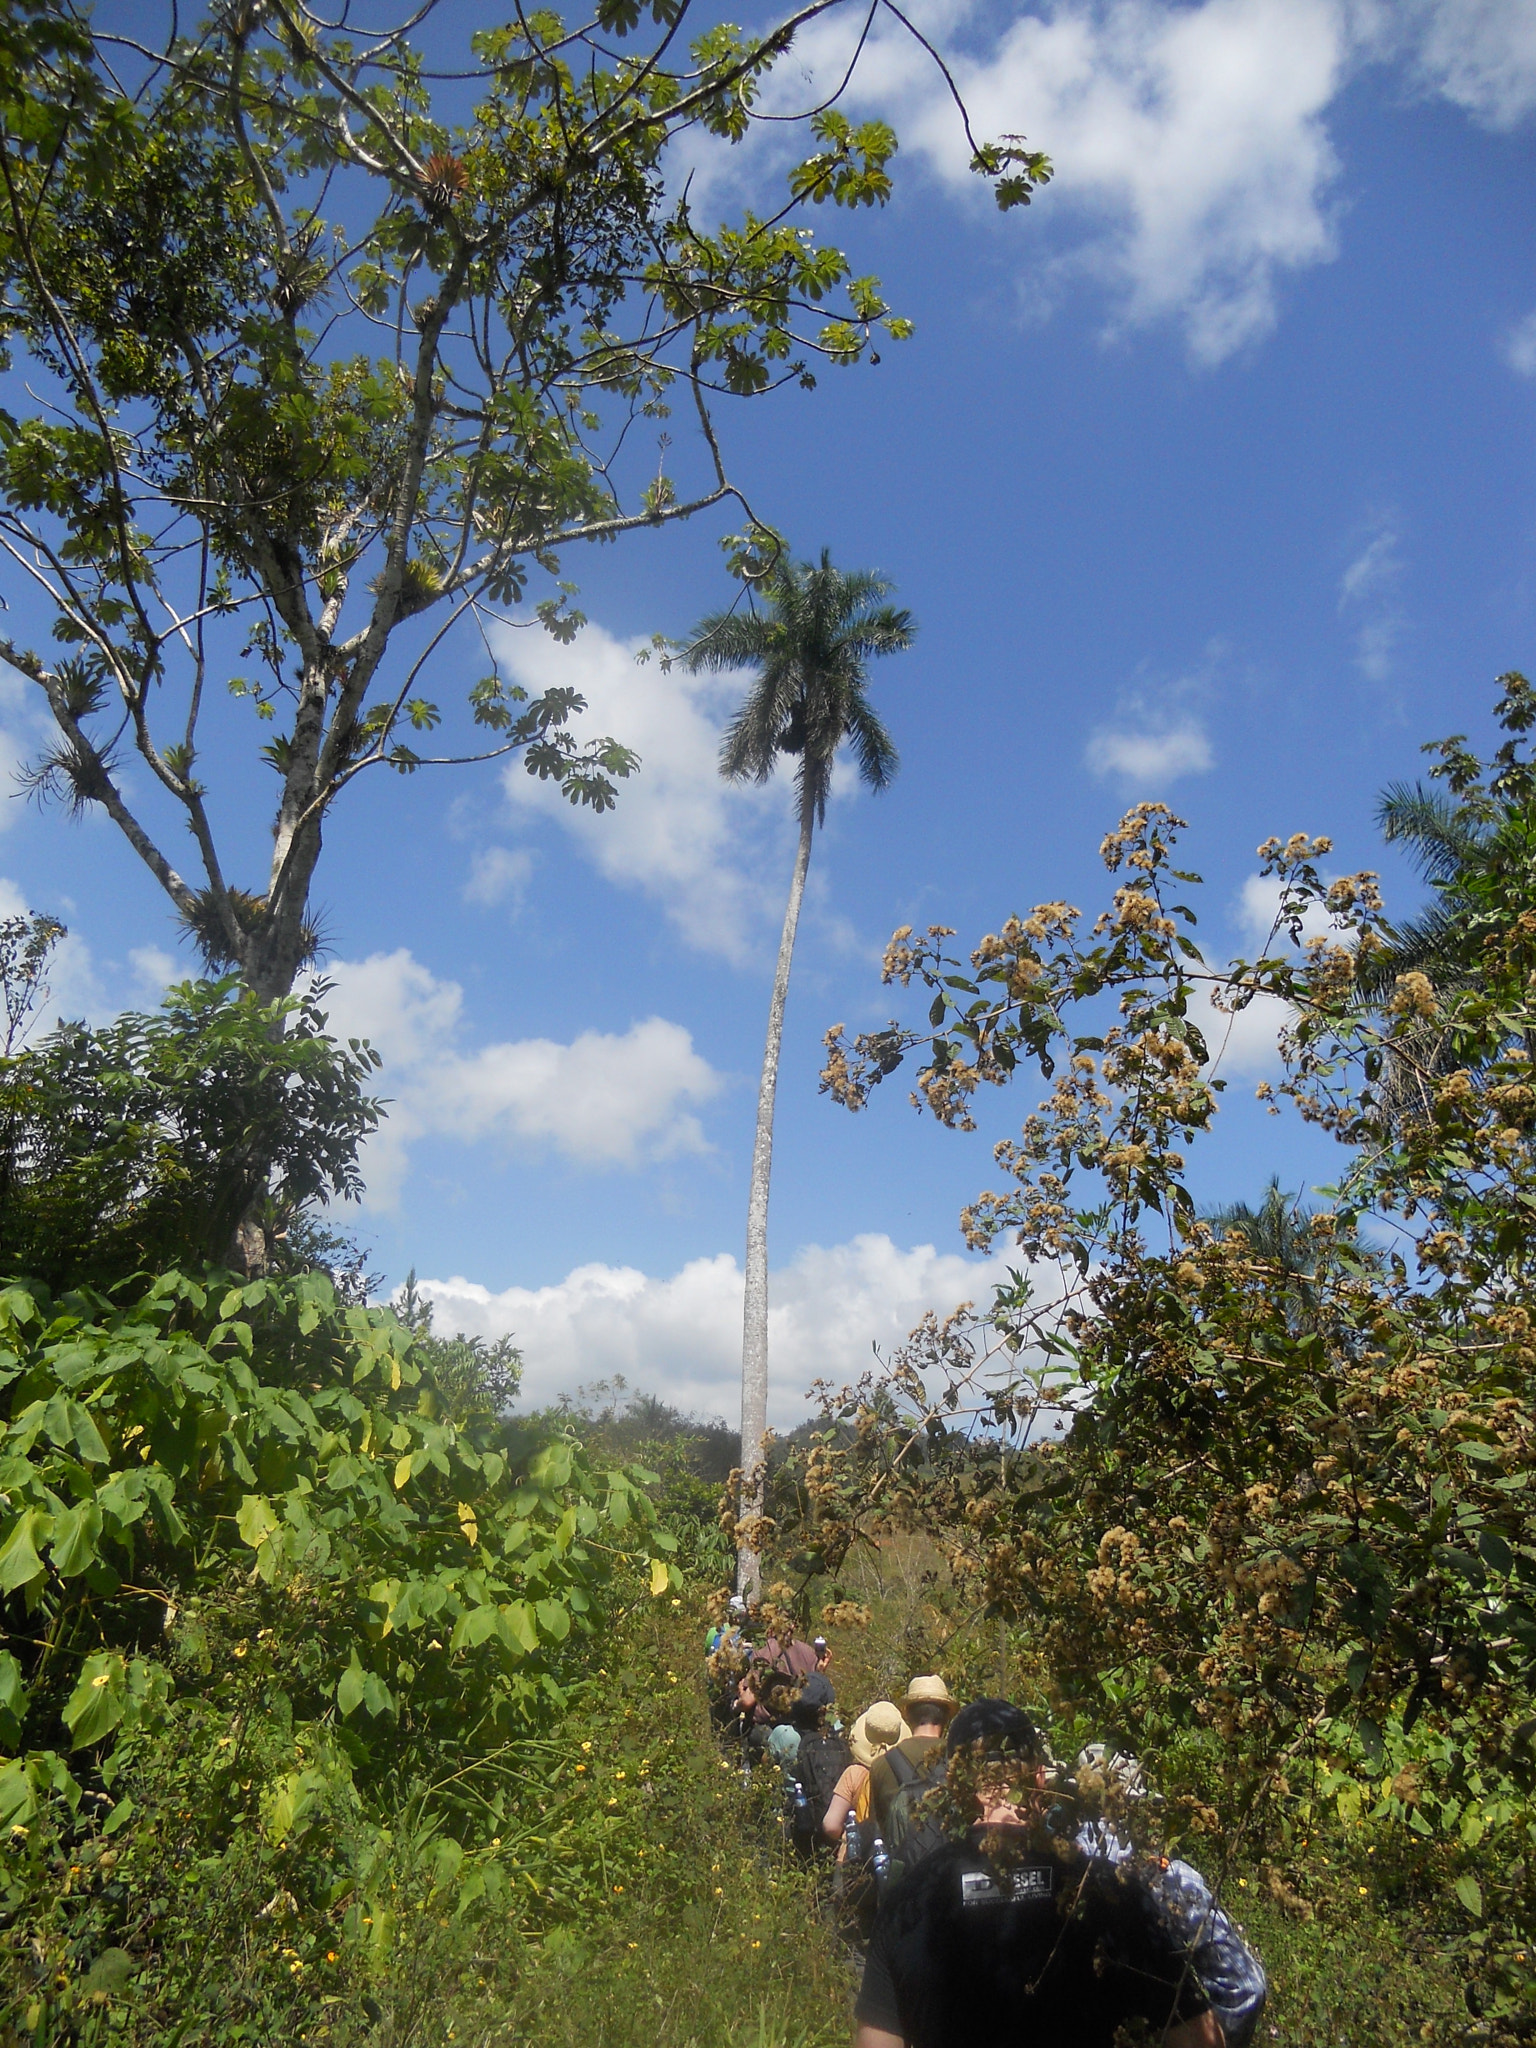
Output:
x=903 y=1769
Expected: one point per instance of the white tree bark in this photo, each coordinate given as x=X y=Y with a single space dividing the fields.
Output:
x=754 y=1331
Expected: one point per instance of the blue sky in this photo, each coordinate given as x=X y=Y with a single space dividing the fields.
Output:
x=1210 y=478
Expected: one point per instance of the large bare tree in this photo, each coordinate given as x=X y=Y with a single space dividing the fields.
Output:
x=330 y=336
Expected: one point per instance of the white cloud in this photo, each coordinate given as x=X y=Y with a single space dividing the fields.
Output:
x=1243 y=1044
x=1150 y=757
x=1258 y=906
x=24 y=728
x=154 y=970
x=1519 y=346
x=705 y=849
x=605 y=1100
x=1480 y=54
x=1366 y=589
x=681 y=1337
x=1193 y=166
x=72 y=984
x=498 y=874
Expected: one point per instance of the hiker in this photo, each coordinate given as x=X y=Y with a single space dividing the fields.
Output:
x=904 y=1783
x=1230 y=1974
x=727 y=1633
x=1015 y=1934
x=822 y=1757
x=877 y=1729
x=795 y=1659
x=783 y=1747
x=818 y=1686
x=928 y=1704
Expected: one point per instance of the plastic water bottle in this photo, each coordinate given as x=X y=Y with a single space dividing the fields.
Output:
x=880 y=1864
x=852 y=1846
x=800 y=1812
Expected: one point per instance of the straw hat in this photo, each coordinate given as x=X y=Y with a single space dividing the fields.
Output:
x=930 y=1692
x=877 y=1729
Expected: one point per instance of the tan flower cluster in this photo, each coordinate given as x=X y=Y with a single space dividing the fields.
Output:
x=1413 y=995
x=845 y=1614
x=1295 y=851
x=1132 y=833
x=1330 y=971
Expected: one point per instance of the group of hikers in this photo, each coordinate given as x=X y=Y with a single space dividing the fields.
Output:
x=999 y=1898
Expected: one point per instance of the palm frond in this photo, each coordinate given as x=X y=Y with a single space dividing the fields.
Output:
x=1435 y=830
x=807 y=641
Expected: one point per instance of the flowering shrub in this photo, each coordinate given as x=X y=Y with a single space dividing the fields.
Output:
x=1278 y=1492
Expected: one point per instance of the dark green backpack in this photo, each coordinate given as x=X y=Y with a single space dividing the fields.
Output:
x=914 y=1828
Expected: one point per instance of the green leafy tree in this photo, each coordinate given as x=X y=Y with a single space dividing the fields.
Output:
x=170 y=1138
x=337 y=337
x=810 y=644
x=472 y=1375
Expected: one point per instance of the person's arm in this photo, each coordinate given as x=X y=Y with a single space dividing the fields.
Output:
x=1229 y=1972
x=877 y=2037
x=832 y=1820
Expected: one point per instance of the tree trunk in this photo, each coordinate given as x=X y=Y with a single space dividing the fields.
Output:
x=754 y=1333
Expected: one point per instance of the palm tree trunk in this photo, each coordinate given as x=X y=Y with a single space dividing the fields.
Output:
x=754 y=1331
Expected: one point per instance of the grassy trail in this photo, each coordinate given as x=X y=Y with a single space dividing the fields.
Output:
x=712 y=1937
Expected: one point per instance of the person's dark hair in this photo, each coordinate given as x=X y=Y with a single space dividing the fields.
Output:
x=1001 y=1728
x=805 y=1715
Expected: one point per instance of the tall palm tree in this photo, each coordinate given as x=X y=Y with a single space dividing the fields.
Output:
x=809 y=644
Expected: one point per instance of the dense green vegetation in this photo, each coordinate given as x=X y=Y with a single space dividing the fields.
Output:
x=339 y=1704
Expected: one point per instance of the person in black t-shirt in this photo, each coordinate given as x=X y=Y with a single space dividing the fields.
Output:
x=1018 y=1938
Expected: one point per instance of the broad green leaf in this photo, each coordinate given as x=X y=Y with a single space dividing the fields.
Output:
x=96 y=1705
x=1470 y=1893
x=377 y=1697
x=13 y=1701
x=349 y=1687
x=257 y=1520
x=20 y=1564
x=75 y=1535
x=473 y=1626
x=661 y=1578
x=18 y=1795
x=110 y=1972
x=554 y=1619
x=519 y=1625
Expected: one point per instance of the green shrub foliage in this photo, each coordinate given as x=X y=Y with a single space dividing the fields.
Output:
x=261 y=1448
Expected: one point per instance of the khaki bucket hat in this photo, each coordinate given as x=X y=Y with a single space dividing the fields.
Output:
x=930 y=1691
x=877 y=1729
